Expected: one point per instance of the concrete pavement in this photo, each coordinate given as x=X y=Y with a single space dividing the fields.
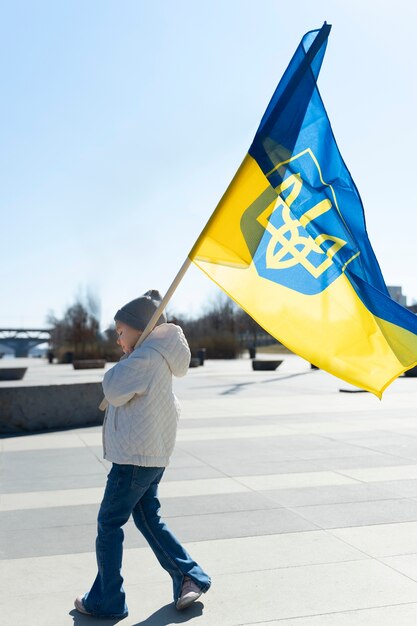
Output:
x=299 y=500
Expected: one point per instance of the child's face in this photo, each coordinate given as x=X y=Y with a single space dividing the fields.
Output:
x=127 y=337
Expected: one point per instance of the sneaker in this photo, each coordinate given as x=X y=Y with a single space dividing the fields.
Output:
x=78 y=603
x=190 y=592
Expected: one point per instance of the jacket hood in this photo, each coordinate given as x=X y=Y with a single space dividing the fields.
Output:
x=169 y=340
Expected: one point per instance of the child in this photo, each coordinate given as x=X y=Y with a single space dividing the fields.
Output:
x=139 y=432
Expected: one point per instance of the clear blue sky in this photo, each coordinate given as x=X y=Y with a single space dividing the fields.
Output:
x=124 y=121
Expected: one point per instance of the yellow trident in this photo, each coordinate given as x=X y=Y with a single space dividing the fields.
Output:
x=296 y=246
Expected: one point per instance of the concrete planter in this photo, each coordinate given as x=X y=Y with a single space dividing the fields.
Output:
x=27 y=409
x=12 y=373
x=88 y=364
x=259 y=365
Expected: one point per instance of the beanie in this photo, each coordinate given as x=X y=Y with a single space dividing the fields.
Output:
x=137 y=313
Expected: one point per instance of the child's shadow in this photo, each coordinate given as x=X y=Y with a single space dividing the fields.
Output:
x=86 y=620
x=167 y=614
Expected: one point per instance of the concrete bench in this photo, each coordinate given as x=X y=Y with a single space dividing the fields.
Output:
x=12 y=373
x=259 y=365
x=31 y=408
x=88 y=364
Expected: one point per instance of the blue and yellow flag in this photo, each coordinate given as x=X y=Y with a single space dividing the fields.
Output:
x=288 y=241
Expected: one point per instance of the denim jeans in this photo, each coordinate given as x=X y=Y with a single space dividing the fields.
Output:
x=133 y=490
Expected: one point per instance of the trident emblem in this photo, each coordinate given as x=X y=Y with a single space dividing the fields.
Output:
x=290 y=244
x=286 y=228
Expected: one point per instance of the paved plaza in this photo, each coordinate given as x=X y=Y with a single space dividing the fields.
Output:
x=299 y=500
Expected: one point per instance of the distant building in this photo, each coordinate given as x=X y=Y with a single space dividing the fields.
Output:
x=396 y=293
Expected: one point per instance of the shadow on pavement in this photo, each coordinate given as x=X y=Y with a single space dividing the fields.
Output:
x=46 y=431
x=87 y=620
x=235 y=388
x=168 y=614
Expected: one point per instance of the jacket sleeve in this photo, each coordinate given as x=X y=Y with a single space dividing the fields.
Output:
x=128 y=377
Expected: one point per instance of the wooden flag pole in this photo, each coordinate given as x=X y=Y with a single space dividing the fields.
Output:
x=158 y=312
x=167 y=297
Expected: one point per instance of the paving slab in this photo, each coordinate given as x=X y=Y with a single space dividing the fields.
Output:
x=359 y=513
x=381 y=540
x=299 y=591
x=285 y=489
x=226 y=556
x=406 y=564
x=330 y=494
x=404 y=615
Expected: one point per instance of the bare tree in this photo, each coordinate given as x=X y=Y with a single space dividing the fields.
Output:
x=78 y=332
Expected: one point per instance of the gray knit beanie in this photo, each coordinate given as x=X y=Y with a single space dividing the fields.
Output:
x=137 y=313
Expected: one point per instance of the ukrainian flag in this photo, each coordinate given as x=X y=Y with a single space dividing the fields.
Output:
x=288 y=241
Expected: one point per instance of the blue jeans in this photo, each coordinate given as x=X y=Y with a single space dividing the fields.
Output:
x=133 y=490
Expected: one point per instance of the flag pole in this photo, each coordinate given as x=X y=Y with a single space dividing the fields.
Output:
x=167 y=297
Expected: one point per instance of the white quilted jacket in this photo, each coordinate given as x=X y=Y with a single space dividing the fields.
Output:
x=140 y=424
